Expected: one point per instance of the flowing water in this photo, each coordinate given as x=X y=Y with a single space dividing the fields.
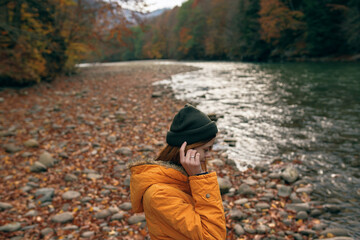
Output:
x=304 y=111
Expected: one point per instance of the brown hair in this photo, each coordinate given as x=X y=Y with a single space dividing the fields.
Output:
x=172 y=153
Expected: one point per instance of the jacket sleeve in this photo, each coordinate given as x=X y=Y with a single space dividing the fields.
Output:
x=204 y=220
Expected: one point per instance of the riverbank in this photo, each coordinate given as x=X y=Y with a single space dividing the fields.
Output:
x=65 y=147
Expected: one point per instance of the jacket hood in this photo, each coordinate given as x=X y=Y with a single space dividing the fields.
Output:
x=145 y=173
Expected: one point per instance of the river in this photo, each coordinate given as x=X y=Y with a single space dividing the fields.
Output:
x=304 y=111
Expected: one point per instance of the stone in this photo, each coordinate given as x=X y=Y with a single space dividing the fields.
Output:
x=241 y=201
x=262 y=229
x=284 y=191
x=111 y=138
x=119 y=168
x=237 y=214
x=337 y=232
x=117 y=216
x=103 y=214
x=46 y=231
x=302 y=215
x=94 y=176
x=245 y=189
x=290 y=174
x=71 y=227
x=70 y=177
x=46 y=193
x=5 y=206
x=315 y=212
x=307 y=190
x=216 y=162
x=11 y=148
x=136 y=219
x=125 y=206
x=63 y=217
x=262 y=205
x=319 y=226
x=26 y=154
x=307 y=232
x=249 y=229
x=146 y=148
x=86 y=199
x=46 y=159
x=105 y=192
x=297 y=207
x=124 y=151
x=88 y=234
x=224 y=185
x=32 y=143
x=251 y=182
x=156 y=94
x=31 y=213
x=10 y=227
x=71 y=195
x=274 y=175
x=239 y=230
x=333 y=208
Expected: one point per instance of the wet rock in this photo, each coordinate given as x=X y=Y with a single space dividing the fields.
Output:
x=124 y=151
x=70 y=177
x=103 y=214
x=230 y=142
x=46 y=159
x=125 y=206
x=290 y=174
x=32 y=143
x=63 y=217
x=245 y=189
x=136 y=219
x=71 y=195
x=294 y=198
x=230 y=162
x=46 y=193
x=333 y=208
x=88 y=234
x=237 y=214
x=10 y=227
x=284 y=191
x=5 y=206
x=307 y=190
x=46 y=231
x=156 y=94
x=11 y=148
x=261 y=167
x=337 y=232
x=262 y=205
x=224 y=185
x=251 y=182
x=297 y=207
x=315 y=212
x=307 y=232
x=302 y=215
x=31 y=213
x=239 y=230
x=117 y=216
x=319 y=226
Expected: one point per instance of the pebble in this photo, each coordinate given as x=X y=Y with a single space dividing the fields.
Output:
x=103 y=214
x=241 y=201
x=46 y=193
x=26 y=154
x=338 y=232
x=5 y=206
x=71 y=195
x=70 y=227
x=290 y=174
x=237 y=214
x=262 y=205
x=249 y=229
x=124 y=151
x=146 y=148
x=87 y=234
x=224 y=185
x=274 y=175
x=125 y=206
x=63 y=217
x=245 y=189
x=32 y=143
x=117 y=216
x=46 y=231
x=217 y=162
x=70 y=177
x=307 y=232
x=251 y=182
x=284 y=191
x=302 y=215
x=239 y=230
x=38 y=167
x=262 y=229
x=111 y=138
x=86 y=199
x=11 y=148
x=94 y=176
x=333 y=208
x=46 y=159
x=136 y=219
x=10 y=227
x=119 y=168
x=31 y=213
x=297 y=207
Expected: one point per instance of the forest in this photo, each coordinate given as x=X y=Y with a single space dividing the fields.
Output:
x=42 y=39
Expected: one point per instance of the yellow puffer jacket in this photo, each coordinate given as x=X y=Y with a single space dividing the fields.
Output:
x=177 y=206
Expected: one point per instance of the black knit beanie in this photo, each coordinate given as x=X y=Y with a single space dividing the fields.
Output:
x=190 y=125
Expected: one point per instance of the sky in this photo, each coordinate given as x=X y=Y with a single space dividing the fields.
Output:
x=158 y=4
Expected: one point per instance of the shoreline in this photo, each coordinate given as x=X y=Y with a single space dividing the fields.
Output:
x=91 y=125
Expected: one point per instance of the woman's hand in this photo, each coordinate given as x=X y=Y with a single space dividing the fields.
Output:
x=190 y=161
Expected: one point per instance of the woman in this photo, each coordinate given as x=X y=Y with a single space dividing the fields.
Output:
x=181 y=200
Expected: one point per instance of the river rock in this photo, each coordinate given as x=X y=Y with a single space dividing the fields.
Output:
x=245 y=189
x=237 y=214
x=88 y=234
x=63 y=217
x=284 y=191
x=290 y=174
x=262 y=229
x=224 y=185
x=146 y=148
x=239 y=230
x=31 y=213
x=124 y=151
x=10 y=227
x=103 y=214
x=94 y=176
x=71 y=195
x=136 y=219
x=38 y=167
x=338 y=232
x=241 y=201
x=333 y=208
x=5 y=206
x=117 y=216
x=70 y=177
x=46 y=231
x=71 y=227
x=11 y=148
x=26 y=154
x=46 y=193
x=249 y=229
x=46 y=159
x=33 y=143
x=302 y=215
x=262 y=205
x=156 y=94
x=297 y=207
x=125 y=206
x=249 y=181
x=308 y=232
